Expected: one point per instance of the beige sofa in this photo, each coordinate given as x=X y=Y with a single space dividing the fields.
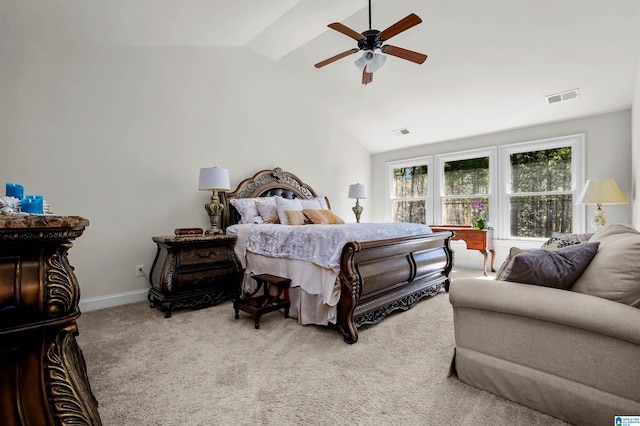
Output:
x=573 y=354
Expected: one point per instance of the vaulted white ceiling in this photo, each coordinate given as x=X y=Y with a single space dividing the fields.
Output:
x=490 y=62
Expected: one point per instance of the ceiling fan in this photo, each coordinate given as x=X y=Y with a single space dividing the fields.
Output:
x=372 y=40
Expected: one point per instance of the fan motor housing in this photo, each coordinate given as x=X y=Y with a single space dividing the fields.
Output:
x=370 y=40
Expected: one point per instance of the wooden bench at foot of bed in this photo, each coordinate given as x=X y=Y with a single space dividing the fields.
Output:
x=379 y=277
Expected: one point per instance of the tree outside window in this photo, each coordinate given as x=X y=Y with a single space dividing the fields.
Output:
x=540 y=192
x=465 y=183
x=409 y=194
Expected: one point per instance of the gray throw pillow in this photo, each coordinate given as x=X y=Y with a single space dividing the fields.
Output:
x=558 y=268
x=513 y=252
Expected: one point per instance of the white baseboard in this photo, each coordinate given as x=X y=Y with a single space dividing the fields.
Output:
x=95 y=303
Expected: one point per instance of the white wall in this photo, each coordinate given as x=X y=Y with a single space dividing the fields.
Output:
x=118 y=135
x=608 y=154
x=635 y=133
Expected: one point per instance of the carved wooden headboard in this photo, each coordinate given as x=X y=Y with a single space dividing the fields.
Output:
x=265 y=183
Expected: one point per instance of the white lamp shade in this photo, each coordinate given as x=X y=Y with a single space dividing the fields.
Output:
x=373 y=61
x=213 y=178
x=358 y=190
x=602 y=191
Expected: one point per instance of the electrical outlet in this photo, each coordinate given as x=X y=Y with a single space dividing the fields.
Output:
x=139 y=271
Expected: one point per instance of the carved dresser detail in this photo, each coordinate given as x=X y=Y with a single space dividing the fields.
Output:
x=43 y=378
x=194 y=271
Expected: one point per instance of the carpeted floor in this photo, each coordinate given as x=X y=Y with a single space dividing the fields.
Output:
x=203 y=367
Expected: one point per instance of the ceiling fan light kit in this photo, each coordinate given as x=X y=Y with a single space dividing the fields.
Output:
x=371 y=40
x=372 y=61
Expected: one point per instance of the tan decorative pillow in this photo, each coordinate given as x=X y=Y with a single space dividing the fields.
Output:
x=322 y=217
x=283 y=204
x=296 y=217
x=266 y=206
x=614 y=273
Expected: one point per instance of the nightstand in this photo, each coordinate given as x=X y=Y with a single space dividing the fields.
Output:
x=193 y=271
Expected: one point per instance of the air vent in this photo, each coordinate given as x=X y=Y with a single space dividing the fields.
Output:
x=561 y=97
x=400 y=132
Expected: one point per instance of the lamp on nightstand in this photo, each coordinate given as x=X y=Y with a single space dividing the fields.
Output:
x=214 y=179
x=599 y=192
x=357 y=191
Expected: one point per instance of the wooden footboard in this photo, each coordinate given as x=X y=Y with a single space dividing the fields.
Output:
x=379 y=277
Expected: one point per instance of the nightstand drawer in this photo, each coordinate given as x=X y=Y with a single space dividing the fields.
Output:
x=205 y=277
x=201 y=255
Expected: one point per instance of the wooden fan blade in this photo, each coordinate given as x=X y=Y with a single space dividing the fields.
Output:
x=335 y=58
x=400 y=26
x=409 y=55
x=341 y=28
x=367 y=77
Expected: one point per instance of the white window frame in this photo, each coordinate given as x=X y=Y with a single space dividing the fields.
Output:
x=466 y=155
x=577 y=144
x=420 y=161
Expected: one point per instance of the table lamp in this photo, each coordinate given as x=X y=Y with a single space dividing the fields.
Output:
x=214 y=179
x=599 y=192
x=357 y=191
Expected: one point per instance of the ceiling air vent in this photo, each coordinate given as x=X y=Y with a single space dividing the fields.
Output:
x=400 y=132
x=561 y=97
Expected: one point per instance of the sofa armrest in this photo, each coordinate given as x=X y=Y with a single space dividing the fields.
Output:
x=563 y=307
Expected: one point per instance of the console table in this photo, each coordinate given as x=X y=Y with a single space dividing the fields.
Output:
x=476 y=239
x=42 y=371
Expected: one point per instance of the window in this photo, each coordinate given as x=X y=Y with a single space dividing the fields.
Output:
x=528 y=188
x=409 y=190
x=541 y=179
x=465 y=179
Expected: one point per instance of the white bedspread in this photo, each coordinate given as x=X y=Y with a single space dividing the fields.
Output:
x=322 y=244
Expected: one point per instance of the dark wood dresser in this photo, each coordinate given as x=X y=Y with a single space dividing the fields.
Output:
x=43 y=378
x=194 y=271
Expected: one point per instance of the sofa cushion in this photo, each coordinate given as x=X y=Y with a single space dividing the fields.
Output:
x=551 y=268
x=614 y=273
x=559 y=240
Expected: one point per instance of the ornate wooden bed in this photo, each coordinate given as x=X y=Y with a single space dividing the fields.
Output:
x=375 y=277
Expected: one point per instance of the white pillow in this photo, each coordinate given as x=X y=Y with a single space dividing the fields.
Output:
x=283 y=204
x=318 y=203
x=247 y=209
x=267 y=208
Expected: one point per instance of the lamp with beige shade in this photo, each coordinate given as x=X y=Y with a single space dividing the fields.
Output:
x=600 y=192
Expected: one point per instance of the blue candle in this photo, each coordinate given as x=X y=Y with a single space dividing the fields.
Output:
x=32 y=204
x=15 y=190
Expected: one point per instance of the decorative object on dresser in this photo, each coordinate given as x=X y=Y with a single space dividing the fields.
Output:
x=214 y=179
x=599 y=192
x=182 y=232
x=42 y=369
x=357 y=191
x=193 y=271
x=346 y=274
